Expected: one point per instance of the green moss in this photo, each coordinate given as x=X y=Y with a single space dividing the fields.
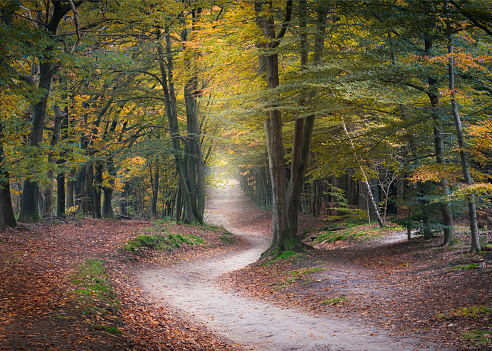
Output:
x=298 y=275
x=160 y=242
x=466 y=266
x=334 y=300
x=479 y=337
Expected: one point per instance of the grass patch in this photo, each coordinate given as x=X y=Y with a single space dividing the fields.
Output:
x=471 y=311
x=111 y=330
x=466 y=266
x=291 y=255
x=160 y=242
x=297 y=275
x=228 y=237
x=93 y=293
x=334 y=300
x=479 y=337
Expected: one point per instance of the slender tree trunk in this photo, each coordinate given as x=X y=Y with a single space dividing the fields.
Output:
x=155 y=189
x=89 y=201
x=472 y=210
x=70 y=189
x=433 y=93
x=98 y=180
x=365 y=180
x=55 y=137
x=60 y=195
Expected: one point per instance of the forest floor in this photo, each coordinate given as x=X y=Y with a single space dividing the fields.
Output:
x=72 y=285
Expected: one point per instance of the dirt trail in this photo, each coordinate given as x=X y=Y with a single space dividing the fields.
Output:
x=192 y=288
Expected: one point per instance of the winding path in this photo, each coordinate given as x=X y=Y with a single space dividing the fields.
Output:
x=191 y=287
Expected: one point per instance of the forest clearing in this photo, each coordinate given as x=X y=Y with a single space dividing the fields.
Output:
x=183 y=174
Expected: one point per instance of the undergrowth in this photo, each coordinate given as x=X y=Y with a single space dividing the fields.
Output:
x=476 y=337
x=93 y=295
x=301 y=274
x=160 y=242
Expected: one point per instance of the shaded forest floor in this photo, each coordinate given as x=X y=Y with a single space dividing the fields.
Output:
x=412 y=288
x=71 y=286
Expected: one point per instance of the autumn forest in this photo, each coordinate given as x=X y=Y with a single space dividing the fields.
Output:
x=329 y=114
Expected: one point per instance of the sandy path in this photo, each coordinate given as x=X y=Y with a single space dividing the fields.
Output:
x=191 y=287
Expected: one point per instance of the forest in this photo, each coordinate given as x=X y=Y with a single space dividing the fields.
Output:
x=360 y=109
x=374 y=108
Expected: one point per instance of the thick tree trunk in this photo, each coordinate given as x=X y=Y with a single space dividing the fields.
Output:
x=30 y=192
x=7 y=218
x=284 y=238
x=29 y=201
x=303 y=129
x=171 y=112
x=107 y=209
x=472 y=210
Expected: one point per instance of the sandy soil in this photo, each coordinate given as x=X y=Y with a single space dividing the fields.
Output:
x=192 y=287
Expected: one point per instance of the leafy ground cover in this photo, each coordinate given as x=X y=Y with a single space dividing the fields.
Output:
x=414 y=288
x=72 y=286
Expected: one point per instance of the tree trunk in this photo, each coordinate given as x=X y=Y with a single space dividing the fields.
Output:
x=365 y=180
x=88 y=206
x=472 y=211
x=171 y=112
x=7 y=218
x=284 y=238
x=29 y=201
x=70 y=189
x=98 y=180
x=60 y=195
x=155 y=189
x=30 y=192
x=55 y=137
x=433 y=94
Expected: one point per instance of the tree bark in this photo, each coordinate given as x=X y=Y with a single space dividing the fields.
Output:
x=433 y=94
x=7 y=218
x=472 y=210
x=29 y=201
x=284 y=239
x=365 y=180
x=303 y=129
x=167 y=83
x=55 y=137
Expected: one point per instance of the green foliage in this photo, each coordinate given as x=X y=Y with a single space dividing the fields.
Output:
x=466 y=266
x=356 y=233
x=227 y=237
x=479 y=337
x=160 y=242
x=94 y=292
x=334 y=300
x=290 y=255
x=344 y=211
x=111 y=330
x=297 y=275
